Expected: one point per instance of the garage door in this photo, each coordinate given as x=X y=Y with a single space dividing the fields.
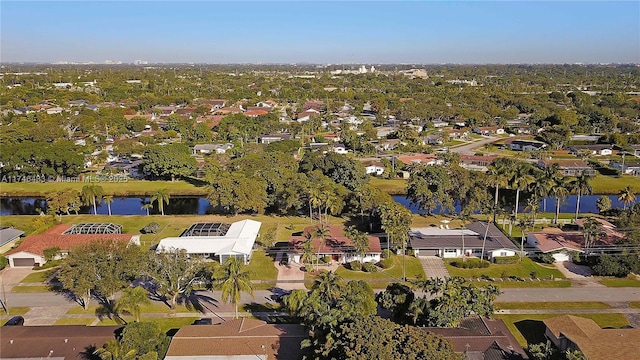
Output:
x=24 y=262
x=561 y=257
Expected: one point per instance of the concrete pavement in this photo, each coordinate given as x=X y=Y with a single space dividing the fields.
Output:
x=433 y=267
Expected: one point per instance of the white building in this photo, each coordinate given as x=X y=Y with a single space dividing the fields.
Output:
x=216 y=240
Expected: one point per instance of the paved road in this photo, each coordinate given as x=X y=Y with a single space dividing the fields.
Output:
x=468 y=149
x=508 y=295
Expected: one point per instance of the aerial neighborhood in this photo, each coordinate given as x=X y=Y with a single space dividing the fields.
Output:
x=331 y=211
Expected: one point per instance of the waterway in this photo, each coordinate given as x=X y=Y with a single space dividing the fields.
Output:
x=192 y=205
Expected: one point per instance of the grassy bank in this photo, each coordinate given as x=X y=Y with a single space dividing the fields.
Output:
x=551 y=305
x=128 y=188
x=620 y=282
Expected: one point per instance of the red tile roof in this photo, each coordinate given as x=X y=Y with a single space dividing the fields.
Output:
x=36 y=244
x=417 y=158
x=335 y=242
x=256 y=112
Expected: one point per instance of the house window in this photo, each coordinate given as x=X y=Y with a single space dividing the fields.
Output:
x=450 y=251
x=503 y=253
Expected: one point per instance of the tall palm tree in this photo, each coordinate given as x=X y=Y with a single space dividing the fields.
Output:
x=321 y=232
x=307 y=249
x=92 y=194
x=582 y=187
x=146 y=206
x=627 y=196
x=327 y=283
x=161 y=196
x=521 y=179
x=112 y=350
x=359 y=241
x=132 y=301
x=108 y=200
x=501 y=170
x=591 y=228
x=560 y=191
x=233 y=280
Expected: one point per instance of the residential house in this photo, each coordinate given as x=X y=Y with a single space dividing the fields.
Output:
x=596 y=150
x=215 y=103
x=316 y=105
x=54 y=110
x=482 y=338
x=243 y=338
x=253 y=112
x=488 y=130
x=388 y=144
x=211 y=148
x=439 y=123
x=335 y=245
x=332 y=137
x=216 y=240
x=132 y=169
x=448 y=243
x=526 y=145
x=476 y=162
x=340 y=149
x=54 y=342
x=306 y=115
x=585 y=138
x=268 y=139
x=383 y=131
x=569 y=332
x=428 y=159
x=631 y=166
x=74 y=103
x=267 y=104
x=635 y=150
x=8 y=238
x=569 y=167
x=457 y=134
x=432 y=139
x=374 y=168
x=31 y=251
x=561 y=244
x=228 y=110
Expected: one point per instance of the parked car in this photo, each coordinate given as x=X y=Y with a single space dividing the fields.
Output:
x=15 y=321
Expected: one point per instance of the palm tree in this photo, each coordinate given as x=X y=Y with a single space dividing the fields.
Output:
x=582 y=186
x=146 y=206
x=132 y=300
x=234 y=280
x=161 y=196
x=560 y=191
x=627 y=196
x=108 y=200
x=321 y=233
x=524 y=224
x=327 y=283
x=591 y=228
x=112 y=351
x=307 y=249
x=501 y=170
x=521 y=180
x=92 y=194
x=359 y=241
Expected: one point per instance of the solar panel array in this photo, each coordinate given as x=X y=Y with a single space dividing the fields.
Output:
x=206 y=229
x=95 y=228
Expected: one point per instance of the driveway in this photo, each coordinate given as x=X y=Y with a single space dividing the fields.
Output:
x=433 y=267
x=469 y=149
x=290 y=277
x=579 y=275
x=10 y=277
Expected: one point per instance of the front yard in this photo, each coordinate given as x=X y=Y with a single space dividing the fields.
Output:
x=524 y=269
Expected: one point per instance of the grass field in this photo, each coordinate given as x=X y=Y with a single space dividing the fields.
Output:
x=522 y=269
x=262 y=267
x=620 y=282
x=390 y=186
x=551 y=305
x=155 y=308
x=413 y=270
x=610 y=185
x=128 y=188
x=30 y=289
x=13 y=311
x=529 y=328
x=38 y=277
x=634 y=304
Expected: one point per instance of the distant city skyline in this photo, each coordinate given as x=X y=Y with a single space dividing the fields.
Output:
x=423 y=32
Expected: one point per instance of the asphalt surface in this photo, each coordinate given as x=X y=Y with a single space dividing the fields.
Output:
x=262 y=296
x=469 y=149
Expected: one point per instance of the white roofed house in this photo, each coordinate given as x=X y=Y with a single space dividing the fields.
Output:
x=216 y=240
x=211 y=148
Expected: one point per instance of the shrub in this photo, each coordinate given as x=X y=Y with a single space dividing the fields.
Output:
x=619 y=266
x=471 y=264
x=386 y=263
x=51 y=253
x=355 y=266
x=268 y=238
x=547 y=258
x=386 y=254
x=506 y=259
x=3 y=262
x=151 y=228
x=369 y=267
x=326 y=259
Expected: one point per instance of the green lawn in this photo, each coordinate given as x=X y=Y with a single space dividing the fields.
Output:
x=620 y=282
x=551 y=305
x=413 y=270
x=38 y=277
x=634 y=304
x=390 y=186
x=30 y=289
x=529 y=328
x=523 y=270
x=18 y=310
x=602 y=184
x=527 y=284
x=262 y=266
x=128 y=188
x=155 y=308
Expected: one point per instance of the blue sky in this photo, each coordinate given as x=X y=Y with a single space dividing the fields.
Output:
x=321 y=32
